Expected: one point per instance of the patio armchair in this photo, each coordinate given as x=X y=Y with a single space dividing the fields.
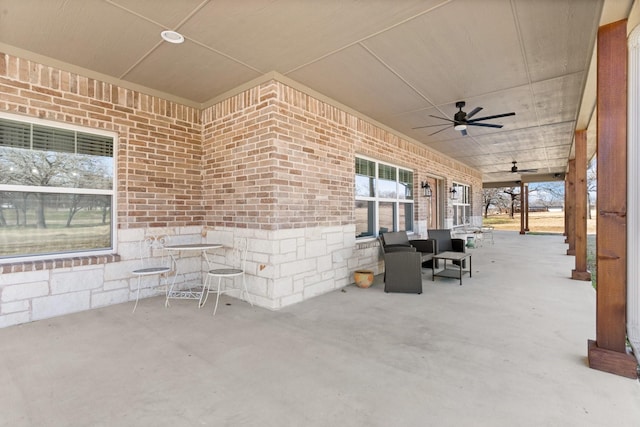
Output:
x=399 y=241
x=443 y=242
x=403 y=270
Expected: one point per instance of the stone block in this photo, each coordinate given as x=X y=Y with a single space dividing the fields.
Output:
x=25 y=277
x=120 y=270
x=290 y=300
x=25 y=291
x=324 y=263
x=57 y=305
x=115 y=284
x=288 y=246
x=14 y=319
x=14 y=307
x=73 y=281
x=316 y=248
x=101 y=299
x=318 y=288
x=297 y=267
x=281 y=288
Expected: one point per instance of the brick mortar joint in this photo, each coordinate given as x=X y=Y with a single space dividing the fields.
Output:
x=27 y=266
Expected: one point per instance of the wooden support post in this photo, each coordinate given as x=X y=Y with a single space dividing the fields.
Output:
x=570 y=208
x=522 y=207
x=608 y=352
x=581 y=272
x=526 y=208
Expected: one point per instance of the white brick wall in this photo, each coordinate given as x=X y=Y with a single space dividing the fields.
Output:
x=35 y=295
x=56 y=305
x=299 y=263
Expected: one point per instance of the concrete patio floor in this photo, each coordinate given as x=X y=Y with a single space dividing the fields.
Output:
x=507 y=348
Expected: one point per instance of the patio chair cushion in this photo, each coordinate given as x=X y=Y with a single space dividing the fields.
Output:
x=403 y=272
x=395 y=238
x=399 y=241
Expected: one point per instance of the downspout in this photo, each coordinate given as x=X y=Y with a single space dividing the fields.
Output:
x=633 y=194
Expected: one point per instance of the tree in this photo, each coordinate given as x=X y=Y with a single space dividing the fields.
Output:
x=592 y=184
x=547 y=194
x=492 y=197
x=514 y=199
x=38 y=168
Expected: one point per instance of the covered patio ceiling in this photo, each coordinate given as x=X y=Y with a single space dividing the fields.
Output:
x=397 y=62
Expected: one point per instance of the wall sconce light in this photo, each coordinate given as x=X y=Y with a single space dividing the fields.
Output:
x=453 y=193
x=426 y=189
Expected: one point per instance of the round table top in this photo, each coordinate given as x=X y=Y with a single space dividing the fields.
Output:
x=193 y=247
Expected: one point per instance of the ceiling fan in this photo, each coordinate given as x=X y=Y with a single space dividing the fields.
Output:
x=462 y=119
x=514 y=169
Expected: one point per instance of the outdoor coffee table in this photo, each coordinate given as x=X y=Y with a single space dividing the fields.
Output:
x=451 y=272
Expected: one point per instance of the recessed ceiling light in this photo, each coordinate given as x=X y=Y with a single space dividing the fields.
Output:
x=172 y=36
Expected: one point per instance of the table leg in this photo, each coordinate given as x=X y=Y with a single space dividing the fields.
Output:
x=173 y=282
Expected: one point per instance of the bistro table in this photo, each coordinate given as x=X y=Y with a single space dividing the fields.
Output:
x=196 y=291
x=449 y=272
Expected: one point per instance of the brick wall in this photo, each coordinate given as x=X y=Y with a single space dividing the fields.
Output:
x=273 y=164
x=270 y=163
x=276 y=157
x=279 y=168
x=159 y=149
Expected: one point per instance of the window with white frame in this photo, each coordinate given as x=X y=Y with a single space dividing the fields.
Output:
x=57 y=195
x=383 y=199
x=461 y=204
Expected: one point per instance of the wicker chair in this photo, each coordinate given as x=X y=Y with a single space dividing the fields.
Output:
x=443 y=242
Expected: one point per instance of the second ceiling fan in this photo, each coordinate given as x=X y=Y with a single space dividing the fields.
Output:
x=462 y=119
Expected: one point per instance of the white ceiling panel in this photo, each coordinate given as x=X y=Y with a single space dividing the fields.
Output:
x=164 y=12
x=394 y=61
x=557 y=29
x=79 y=32
x=364 y=84
x=558 y=99
x=176 y=67
x=461 y=50
x=284 y=35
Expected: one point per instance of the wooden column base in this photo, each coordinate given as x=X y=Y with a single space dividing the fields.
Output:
x=622 y=364
x=581 y=275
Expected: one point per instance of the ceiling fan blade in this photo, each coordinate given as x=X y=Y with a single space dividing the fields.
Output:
x=441 y=118
x=497 y=116
x=523 y=170
x=438 y=131
x=474 y=112
x=430 y=126
x=486 y=125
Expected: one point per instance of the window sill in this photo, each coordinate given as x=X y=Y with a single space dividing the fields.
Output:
x=22 y=267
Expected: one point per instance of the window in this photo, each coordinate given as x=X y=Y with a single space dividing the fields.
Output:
x=57 y=195
x=384 y=198
x=461 y=204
